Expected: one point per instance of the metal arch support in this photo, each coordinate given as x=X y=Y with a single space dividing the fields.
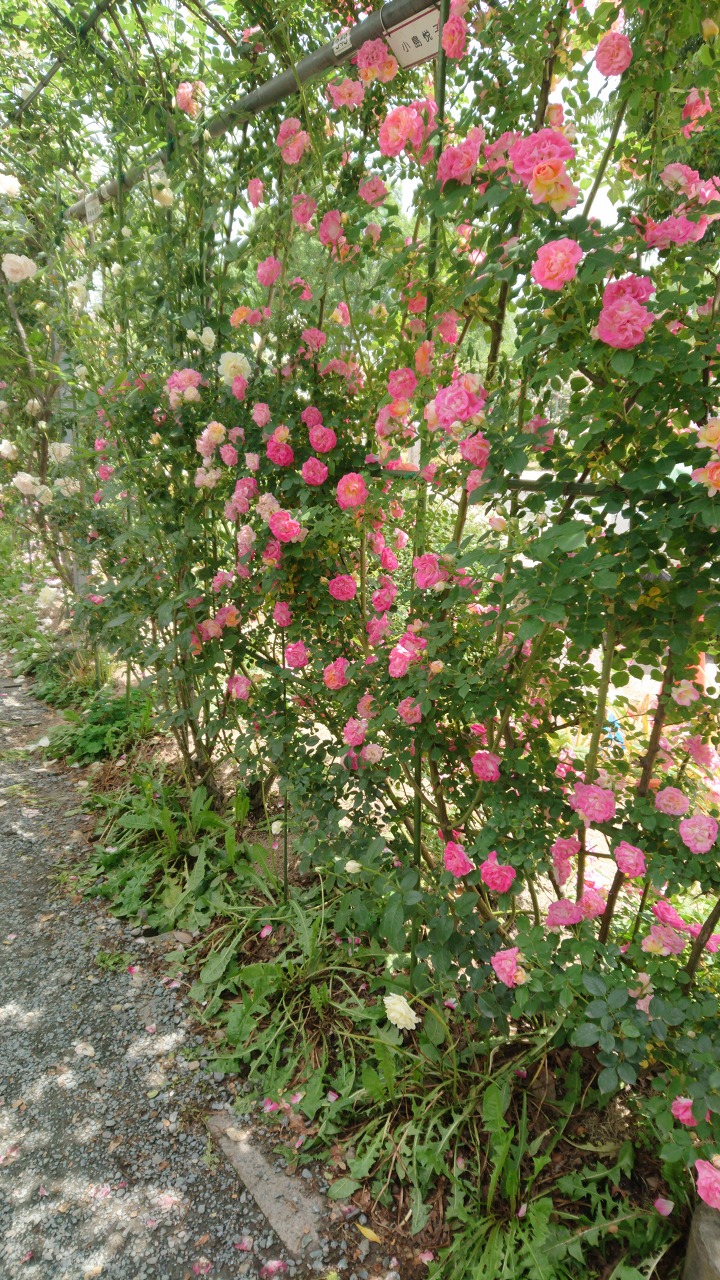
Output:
x=329 y=56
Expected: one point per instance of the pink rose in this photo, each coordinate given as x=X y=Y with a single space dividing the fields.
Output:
x=396 y=130
x=261 y=414
x=454 y=36
x=663 y=940
x=296 y=655
x=354 y=732
x=708 y=1183
x=456 y=404
x=373 y=191
x=229 y=455
x=269 y=270
x=303 y=209
x=314 y=472
x=630 y=860
x=486 y=766
x=592 y=903
x=623 y=324
x=343 y=587
x=505 y=964
x=292 y=140
x=334 y=674
x=282 y=615
x=239 y=387
x=349 y=93
x=322 y=439
x=409 y=711
x=696 y=106
x=427 y=571
x=497 y=876
x=682 y=1109
x=672 y=801
x=239 y=687
x=279 y=452
x=284 y=528
x=456 y=860
x=666 y=914
x=613 y=54
x=594 y=803
x=402 y=384
x=699 y=832
x=331 y=228
x=556 y=263
x=315 y=338
x=527 y=153
x=351 y=491
x=551 y=185
x=255 y=188
x=562 y=914
x=475 y=449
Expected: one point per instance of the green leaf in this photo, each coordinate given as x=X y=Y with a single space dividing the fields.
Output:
x=585 y=1035
x=342 y=1189
x=608 y=1080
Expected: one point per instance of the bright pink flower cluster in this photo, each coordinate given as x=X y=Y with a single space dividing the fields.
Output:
x=486 y=766
x=376 y=62
x=497 y=876
x=539 y=162
x=699 y=832
x=594 y=803
x=556 y=263
x=624 y=320
x=613 y=54
x=292 y=140
x=456 y=860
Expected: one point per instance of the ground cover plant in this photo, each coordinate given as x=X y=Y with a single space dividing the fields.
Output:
x=379 y=440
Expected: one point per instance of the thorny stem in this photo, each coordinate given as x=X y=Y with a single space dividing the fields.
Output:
x=699 y=945
x=606 y=156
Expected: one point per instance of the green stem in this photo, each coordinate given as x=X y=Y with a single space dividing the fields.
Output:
x=598 y=726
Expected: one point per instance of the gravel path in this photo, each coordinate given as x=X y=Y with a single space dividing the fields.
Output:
x=106 y=1168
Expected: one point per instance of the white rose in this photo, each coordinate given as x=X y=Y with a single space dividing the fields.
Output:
x=34 y=408
x=207 y=338
x=44 y=495
x=352 y=867
x=399 y=1013
x=8 y=450
x=276 y=828
x=66 y=486
x=192 y=335
x=78 y=294
x=233 y=365
x=115 y=269
x=17 y=267
x=47 y=597
x=26 y=484
x=59 y=452
x=163 y=196
x=9 y=185
x=81 y=371
x=126 y=232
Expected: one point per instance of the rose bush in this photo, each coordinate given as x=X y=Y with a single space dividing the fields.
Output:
x=425 y=537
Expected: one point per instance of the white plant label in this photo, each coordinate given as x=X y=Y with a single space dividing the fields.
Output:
x=342 y=44
x=92 y=208
x=416 y=40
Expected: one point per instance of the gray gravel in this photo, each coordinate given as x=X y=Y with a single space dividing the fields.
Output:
x=106 y=1168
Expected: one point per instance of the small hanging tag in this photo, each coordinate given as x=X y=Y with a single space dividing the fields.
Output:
x=92 y=208
x=416 y=40
x=342 y=44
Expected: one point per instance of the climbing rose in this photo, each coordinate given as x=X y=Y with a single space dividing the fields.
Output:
x=373 y=191
x=505 y=964
x=454 y=36
x=16 y=267
x=696 y=106
x=331 y=227
x=402 y=383
x=268 y=271
x=699 y=832
x=284 y=528
x=292 y=140
x=255 y=188
x=525 y=154
x=186 y=96
x=551 y=185
x=282 y=614
x=672 y=801
x=497 y=876
x=396 y=129
x=475 y=449
x=343 y=587
x=564 y=848
x=261 y=414
x=630 y=859
x=400 y=1013
x=427 y=571
x=351 y=491
x=375 y=62
x=349 y=93
x=279 y=452
x=322 y=439
x=684 y=693
x=296 y=655
x=623 y=319
x=486 y=766
x=708 y=1183
x=562 y=913
x=594 y=803
x=334 y=674
x=613 y=54
x=556 y=263
x=303 y=209
x=239 y=687
x=354 y=732
x=410 y=711
x=663 y=940
x=682 y=1110
x=456 y=860
x=314 y=472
